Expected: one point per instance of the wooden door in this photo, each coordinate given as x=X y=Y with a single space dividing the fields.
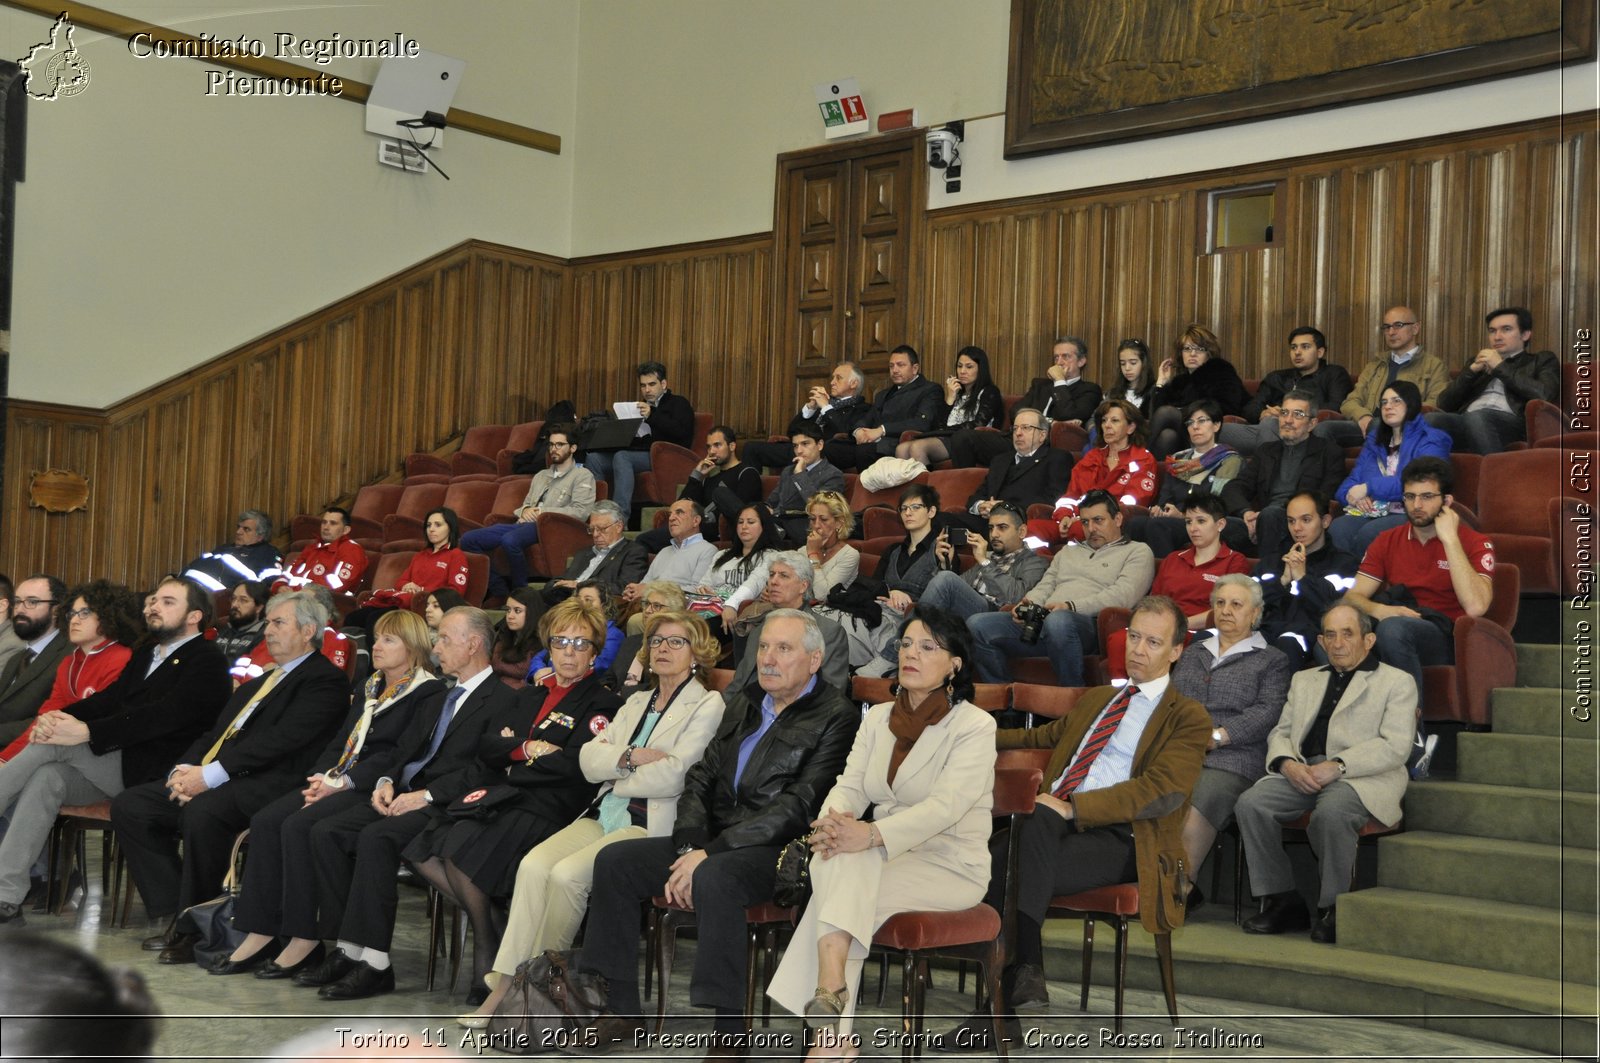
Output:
x=847 y=229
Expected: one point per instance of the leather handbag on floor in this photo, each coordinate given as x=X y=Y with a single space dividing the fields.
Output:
x=213 y=919
x=549 y=1007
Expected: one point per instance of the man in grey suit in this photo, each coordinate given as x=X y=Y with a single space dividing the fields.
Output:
x=26 y=679
x=1339 y=752
x=612 y=560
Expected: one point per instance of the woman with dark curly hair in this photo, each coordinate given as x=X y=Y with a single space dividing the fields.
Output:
x=101 y=620
x=923 y=764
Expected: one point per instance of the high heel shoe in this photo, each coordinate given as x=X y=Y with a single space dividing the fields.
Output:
x=823 y=1009
x=473 y=1021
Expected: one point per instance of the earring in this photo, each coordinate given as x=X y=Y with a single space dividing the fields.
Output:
x=950 y=688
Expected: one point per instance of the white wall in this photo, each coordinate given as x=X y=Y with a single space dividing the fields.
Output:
x=158 y=228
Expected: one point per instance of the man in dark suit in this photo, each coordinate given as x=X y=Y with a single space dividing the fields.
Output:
x=357 y=851
x=1032 y=472
x=127 y=734
x=664 y=418
x=1062 y=394
x=834 y=411
x=258 y=746
x=613 y=560
x=909 y=404
x=27 y=677
x=1110 y=809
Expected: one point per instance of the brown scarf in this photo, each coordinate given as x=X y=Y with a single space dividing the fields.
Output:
x=907 y=724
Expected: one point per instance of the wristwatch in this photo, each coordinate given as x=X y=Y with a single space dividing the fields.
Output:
x=1343 y=767
x=685 y=850
x=1216 y=735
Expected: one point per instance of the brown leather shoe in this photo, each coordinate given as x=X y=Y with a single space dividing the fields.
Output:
x=157 y=942
x=180 y=951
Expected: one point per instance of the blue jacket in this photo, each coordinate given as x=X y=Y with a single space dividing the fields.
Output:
x=1418 y=439
x=602 y=661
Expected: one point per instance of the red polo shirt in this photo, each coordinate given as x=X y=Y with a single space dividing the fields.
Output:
x=1396 y=556
x=1188 y=584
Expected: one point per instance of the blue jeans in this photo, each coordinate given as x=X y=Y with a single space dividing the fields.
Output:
x=953 y=594
x=1354 y=534
x=1065 y=638
x=1410 y=643
x=619 y=467
x=514 y=539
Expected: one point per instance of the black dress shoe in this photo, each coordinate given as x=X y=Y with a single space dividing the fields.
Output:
x=272 y=970
x=1325 y=932
x=334 y=966
x=223 y=965
x=477 y=995
x=1193 y=902
x=157 y=942
x=1283 y=913
x=180 y=951
x=1026 y=988
x=362 y=982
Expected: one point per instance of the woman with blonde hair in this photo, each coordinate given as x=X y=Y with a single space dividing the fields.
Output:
x=640 y=761
x=277 y=898
x=834 y=562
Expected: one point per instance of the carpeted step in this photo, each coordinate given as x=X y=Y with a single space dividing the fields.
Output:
x=1492 y=869
x=1470 y=932
x=1540 y=711
x=1533 y=761
x=1544 y=664
x=1548 y=817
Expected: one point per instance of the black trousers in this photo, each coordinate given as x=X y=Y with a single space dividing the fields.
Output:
x=149 y=827
x=1055 y=858
x=356 y=853
x=764 y=455
x=850 y=455
x=725 y=884
x=279 y=894
x=971 y=448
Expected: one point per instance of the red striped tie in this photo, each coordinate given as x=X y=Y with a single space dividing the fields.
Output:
x=1098 y=738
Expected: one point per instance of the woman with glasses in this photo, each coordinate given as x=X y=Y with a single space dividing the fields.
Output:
x=640 y=761
x=902 y=575
x=923 y=765
x=473 y=861
x=630 y=669
x=834 y=562
x=1371 y=493
x=101 y=620
x=1196 y=370
x=590 y=593
x=1203 y=468
x=971 y=400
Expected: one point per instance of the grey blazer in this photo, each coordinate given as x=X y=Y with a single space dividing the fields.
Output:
x=1371 y=731
x=23 y=688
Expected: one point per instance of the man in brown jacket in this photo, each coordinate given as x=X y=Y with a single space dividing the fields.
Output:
x=1116 y=790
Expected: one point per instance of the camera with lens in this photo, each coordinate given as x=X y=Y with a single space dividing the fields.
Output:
x=1031 y=615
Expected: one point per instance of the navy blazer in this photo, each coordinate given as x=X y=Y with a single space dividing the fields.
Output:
x=1040 y=477
x=1076 y=401
x=152 y=720
x=553 y=785
x=387 y=727
x=455 y=769
x=285 y=730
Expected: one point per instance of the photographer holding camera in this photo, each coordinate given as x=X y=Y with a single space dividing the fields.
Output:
x=1105 y=570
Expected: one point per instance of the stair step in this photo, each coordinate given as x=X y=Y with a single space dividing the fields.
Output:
x=1492 y=869
x=1540 y=711
x=1533 y=761
x=1470 y=932
x=1547 y=817
x=1552 y=665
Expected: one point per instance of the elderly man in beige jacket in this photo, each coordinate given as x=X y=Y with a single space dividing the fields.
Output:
x=1339 y=752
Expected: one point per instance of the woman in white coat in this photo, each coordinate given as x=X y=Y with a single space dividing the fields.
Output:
x=925 y=762
x=640 y=760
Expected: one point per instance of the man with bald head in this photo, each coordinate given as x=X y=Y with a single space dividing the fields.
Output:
x=1402 y=359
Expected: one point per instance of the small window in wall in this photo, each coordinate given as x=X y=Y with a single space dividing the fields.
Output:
x=1246 y=218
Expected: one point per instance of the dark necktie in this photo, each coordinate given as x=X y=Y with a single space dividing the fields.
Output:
x=446 y=714
x=1110 y=717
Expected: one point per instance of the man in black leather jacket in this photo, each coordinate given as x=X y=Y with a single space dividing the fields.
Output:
x=1484 y=407
x=780 y=747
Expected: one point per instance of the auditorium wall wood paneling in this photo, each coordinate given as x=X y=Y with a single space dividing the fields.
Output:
x=484 y=333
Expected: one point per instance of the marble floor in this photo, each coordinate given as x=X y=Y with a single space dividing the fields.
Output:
x=212 y=1018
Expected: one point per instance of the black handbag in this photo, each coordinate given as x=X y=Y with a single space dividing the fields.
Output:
x=212 y=921
x=483 y=803
x=792 y=887
x=549 y=1008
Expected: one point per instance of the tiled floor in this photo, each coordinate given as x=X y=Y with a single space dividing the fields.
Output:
x=207 y=1017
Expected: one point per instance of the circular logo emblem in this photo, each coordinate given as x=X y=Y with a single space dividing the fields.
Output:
x=474 y=797
x=67 y=74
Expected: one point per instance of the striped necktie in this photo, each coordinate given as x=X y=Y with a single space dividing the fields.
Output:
x=1110 y=717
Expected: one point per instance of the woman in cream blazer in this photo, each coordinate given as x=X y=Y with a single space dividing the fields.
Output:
x=640 y=760
x=926 y=763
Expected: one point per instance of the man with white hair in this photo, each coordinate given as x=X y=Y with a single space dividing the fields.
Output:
x=789 y=579
x=760 y=784
x=262 y=744
x=835 y=410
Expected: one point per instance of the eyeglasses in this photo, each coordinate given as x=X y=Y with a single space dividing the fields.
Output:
x=1420 y=496
x=1295 y=415
x=563 y=642
x=80 y=614
x=34 y=603
x=1191 y=422
x=911 y=506
x=1390 y=326
x=1392 y=400
x=652 y=607
x=1189 y=348
x=1031 y=427
x=596 y=529
x=923 y=646
x=672 y=642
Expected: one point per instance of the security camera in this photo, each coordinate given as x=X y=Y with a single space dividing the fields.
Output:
x=943 y=148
